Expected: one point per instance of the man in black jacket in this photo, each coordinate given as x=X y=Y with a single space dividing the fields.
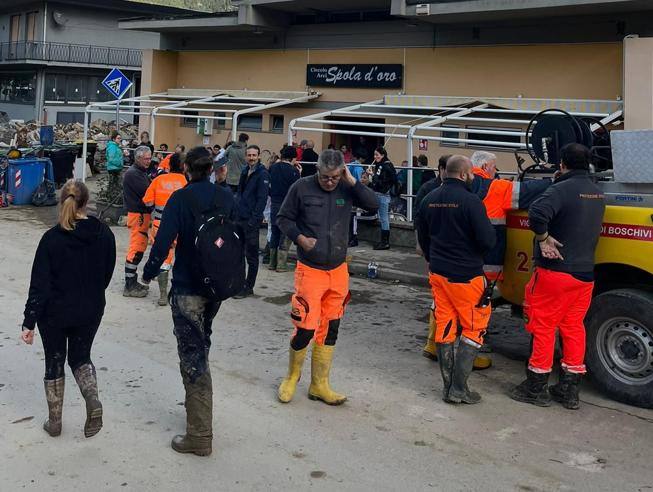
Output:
x=192 y=308
x=315 y=216
x=134 y=186
x=309 y=158
x=252 y=198
x=566 y=220
x=283 y=175
x=454 y=234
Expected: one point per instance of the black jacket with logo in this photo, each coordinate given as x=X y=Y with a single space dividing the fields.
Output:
x=325 y=216
x=454 y=232
x=571 y=211
x=384 y=178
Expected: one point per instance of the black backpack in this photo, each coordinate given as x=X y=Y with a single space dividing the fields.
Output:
x=220 y=248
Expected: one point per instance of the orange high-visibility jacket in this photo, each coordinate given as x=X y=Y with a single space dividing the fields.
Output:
x=160 y=191
x=499 y=197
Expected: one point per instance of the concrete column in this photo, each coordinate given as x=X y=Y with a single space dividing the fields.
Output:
x=638 y=83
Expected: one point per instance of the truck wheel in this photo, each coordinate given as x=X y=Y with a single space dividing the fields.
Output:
x=620 y=345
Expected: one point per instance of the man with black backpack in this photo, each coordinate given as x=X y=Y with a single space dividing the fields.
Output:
x=200 y=217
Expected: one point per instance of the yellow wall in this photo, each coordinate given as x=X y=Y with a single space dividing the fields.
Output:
x=582 y=71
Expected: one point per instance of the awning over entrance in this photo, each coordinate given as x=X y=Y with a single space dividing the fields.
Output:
x=478 y=122
x=199 y=104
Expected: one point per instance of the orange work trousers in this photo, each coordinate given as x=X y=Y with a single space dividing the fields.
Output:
x=167 y=264
x=139 y=225
x=320 y=297
x=456 y=304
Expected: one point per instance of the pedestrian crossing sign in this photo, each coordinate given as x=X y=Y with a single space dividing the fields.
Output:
x=116 y=83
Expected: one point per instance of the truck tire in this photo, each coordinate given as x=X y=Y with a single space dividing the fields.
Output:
x=619 y=355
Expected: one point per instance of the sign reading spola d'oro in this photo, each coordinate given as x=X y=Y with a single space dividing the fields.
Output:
x=385 y=76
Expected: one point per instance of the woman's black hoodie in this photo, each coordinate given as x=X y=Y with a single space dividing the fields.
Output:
x=70 y=273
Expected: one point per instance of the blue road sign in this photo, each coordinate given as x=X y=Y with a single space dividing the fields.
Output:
x=116 y=83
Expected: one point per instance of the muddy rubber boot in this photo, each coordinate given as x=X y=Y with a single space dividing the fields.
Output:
x=463 y=365
x=282 y=265
x=199 y=417
x=163 y=288
x=289 y=384
x=430 y=351
x=135 y=289
x=274 y=252
x=266 y=254
x=567 y=390
x=320 y=368
x=87 y=381
x=534 y=389
x=445 y=353
x=54 y=395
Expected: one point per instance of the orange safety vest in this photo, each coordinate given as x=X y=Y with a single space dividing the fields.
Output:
x=164 y=165
x=160 y=191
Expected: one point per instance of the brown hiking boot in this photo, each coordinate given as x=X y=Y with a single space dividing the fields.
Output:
x=87 y=382
x=54 y=389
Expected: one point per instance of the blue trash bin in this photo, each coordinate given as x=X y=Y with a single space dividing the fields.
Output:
x=24 y=176
x=46 y=135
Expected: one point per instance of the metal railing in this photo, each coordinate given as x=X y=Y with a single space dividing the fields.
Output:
x=70 y=53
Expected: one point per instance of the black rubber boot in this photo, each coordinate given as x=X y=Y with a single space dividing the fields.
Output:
x=445 y=355
x=463 y=365
x=534 y=389
x=385 y=241
x=266 y=254
x=135 y=289
x=567 y=390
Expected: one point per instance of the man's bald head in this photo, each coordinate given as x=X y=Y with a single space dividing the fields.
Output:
x=458 y=165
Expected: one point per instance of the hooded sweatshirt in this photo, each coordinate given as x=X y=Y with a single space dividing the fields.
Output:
x=70 y=273
x=114 y=156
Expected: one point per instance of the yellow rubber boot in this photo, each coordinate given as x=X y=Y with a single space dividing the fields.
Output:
x=482 y=362
x=289 y=384
x=430 y=349
x=320 y=368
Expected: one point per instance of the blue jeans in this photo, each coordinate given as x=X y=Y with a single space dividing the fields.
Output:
x=384 y=211
x=277 y=238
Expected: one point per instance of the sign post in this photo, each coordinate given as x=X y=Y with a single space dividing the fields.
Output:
x=117 y=84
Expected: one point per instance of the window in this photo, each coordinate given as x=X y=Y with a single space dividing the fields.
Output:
x=187 y=121
x=65 y=118
x=276 y=123
x=251 y=122
x=451 y=134
x=55 y=88
x=95 y=91
x=14 y=28
x=75 y=88
x=18 y=88
x=220 y=123
x=499 y=139
x=30 y=32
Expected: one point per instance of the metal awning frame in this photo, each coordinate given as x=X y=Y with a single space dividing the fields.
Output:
x=421 y=126
x=167 y=104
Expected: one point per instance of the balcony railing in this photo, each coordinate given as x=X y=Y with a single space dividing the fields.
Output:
x=70 y=53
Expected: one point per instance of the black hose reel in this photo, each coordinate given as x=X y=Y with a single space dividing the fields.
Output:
x=550 y=130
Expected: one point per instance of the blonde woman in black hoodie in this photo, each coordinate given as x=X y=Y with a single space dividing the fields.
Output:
x=72 y=268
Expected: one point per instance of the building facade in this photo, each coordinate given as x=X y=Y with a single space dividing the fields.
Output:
x=53 y=55
x=553 y=51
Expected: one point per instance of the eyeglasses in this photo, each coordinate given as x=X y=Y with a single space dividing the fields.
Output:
x=329 y=179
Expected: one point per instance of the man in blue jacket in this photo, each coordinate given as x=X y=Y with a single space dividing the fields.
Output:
x=252 y=197
x=193 y=309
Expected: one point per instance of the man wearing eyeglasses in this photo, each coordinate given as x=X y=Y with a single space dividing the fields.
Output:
x=315 y=215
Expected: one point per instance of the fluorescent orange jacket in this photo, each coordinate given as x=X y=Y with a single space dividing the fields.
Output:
x=160 y=191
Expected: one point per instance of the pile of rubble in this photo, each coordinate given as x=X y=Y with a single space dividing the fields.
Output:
x=26 y=134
